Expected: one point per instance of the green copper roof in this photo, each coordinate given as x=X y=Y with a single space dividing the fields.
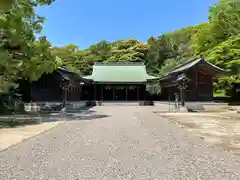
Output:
x=119 y=72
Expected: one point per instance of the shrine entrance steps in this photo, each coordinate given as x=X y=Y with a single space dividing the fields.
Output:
x=117 y=103
x=124 y=103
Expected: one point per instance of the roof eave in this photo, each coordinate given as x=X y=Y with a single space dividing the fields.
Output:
x=118 y=82
x=216 y=68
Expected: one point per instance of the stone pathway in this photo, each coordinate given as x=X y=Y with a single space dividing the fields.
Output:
x=12 y=136
x=117 y=142
x=221 y=129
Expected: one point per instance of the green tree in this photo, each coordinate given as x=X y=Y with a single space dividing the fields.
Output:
x=225 y=19
x=102 y=50
x=203 y=38
x=19 y=49
x=5 y=5
x=128 y=50
x=67 y=55
x=227 y=56
x=172 y=46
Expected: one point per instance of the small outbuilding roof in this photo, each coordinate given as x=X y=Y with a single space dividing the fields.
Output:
x=194 y=62
x=191 y=64
x=67 y=74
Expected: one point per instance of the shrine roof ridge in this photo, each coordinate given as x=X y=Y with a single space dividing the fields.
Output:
x=115 y=63
x=194 y=59
x=193 y=62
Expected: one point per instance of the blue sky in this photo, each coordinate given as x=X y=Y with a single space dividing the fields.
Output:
x=86 y=22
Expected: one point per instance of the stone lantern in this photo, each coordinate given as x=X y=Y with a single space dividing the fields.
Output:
x=64 y=85
x=182 y=80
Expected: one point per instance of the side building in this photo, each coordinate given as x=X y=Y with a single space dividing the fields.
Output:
x=200 y=75
x=57 y=86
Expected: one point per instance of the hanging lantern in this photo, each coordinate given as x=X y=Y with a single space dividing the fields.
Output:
x=108 y=87
x=132 y=87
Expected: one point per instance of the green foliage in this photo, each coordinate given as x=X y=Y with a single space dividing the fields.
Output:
x=202 y=39
x=82 y=60
x=225 y=18
x=102 y=50
x=223 y=54
x=170 y=46
x=5 y=5
x=41 y=61
x=227 y=56
x=128 y=50
x=153 y=88
x=22 y=56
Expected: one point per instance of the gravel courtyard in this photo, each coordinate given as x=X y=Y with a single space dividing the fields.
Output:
x=118 y=142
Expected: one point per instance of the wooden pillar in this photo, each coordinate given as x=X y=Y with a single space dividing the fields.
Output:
x=65 y=96
x=113 y=93
x=102 y=92
x=137 y=93
x=181 y=96
x=169 y=98
x=68 y=93
x=95 y=92
x=74 y=94
x=80 y=92
x=145 y=92
x=181 y=93
x=196 y=87
x=31 y=93
x=126 y=93
x=211 y=91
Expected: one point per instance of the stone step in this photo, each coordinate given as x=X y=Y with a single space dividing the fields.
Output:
x=121 y=103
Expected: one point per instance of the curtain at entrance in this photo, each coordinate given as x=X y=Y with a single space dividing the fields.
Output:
x=120 y=93
x=108 y=93
x=132 y=93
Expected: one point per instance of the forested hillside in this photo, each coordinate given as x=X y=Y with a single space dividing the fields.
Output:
x=25 y=56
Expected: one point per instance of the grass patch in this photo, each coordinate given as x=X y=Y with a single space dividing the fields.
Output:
x=220 y=94
x=14 y=123
x=9 y=124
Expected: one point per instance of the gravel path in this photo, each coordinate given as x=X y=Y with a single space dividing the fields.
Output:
x=124 y=142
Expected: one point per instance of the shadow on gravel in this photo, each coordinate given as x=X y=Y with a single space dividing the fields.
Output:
x=15 y=120
x=75 y=116
x=83 y=114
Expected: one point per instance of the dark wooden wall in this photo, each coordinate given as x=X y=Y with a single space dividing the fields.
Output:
x=107 y=94
x=199 y=88
x=49 y=88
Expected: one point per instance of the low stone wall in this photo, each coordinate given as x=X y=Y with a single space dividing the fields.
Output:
x=35 y=107
x=75 y=106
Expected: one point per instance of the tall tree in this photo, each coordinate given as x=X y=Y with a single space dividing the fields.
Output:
x=202 y=39
x=19 y=49
x=128 y=50
x=102 y=50
x=225 y=19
